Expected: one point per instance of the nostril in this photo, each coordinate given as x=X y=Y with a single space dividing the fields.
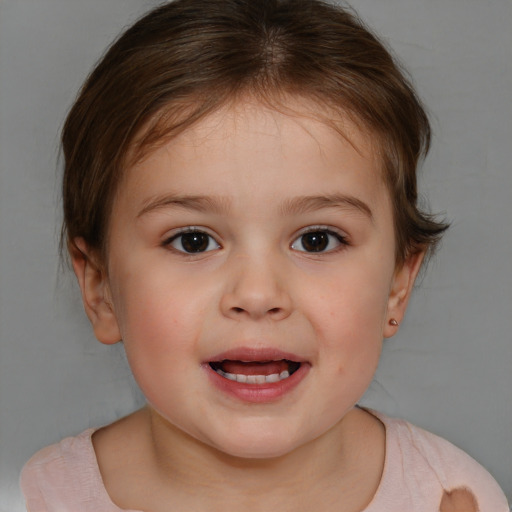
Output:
x=272 y=311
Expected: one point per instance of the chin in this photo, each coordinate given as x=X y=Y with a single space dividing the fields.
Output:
x=263 y=442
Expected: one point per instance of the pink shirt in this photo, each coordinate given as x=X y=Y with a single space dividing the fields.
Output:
x=420 y=468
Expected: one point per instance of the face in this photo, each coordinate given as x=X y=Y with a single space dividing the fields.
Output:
x=251 y=276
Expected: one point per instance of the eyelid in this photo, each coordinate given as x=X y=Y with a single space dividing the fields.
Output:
x=168 y=241
x=341 y=237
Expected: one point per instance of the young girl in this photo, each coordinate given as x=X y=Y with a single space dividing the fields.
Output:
x=241 y=211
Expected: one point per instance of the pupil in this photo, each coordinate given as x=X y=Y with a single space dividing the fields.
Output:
x=194 y=242
x=315 y=242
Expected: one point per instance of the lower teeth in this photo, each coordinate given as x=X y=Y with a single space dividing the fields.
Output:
x=254 y=379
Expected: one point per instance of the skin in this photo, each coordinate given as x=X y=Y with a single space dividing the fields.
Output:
x=458 y=500
x=255 y=286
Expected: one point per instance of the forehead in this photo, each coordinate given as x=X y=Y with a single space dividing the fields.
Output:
x=285 y=151
x=195 y=118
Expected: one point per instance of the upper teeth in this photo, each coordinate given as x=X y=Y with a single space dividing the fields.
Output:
x=255 y=379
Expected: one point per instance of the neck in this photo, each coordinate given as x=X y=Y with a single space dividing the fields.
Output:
x=340 y=464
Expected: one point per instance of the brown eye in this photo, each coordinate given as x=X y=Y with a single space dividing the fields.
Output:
x=315 y=242
x=318 y=241
x=193 y=242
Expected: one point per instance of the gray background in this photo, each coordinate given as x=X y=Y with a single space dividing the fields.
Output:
x=448 y=369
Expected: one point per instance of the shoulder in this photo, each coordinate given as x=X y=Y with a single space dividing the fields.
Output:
x=432 y=466
x=65 y=476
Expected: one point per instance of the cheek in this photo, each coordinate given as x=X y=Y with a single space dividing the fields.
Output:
x=351 y=304
x=160 y=336
x=155 y=298
x=348 y=316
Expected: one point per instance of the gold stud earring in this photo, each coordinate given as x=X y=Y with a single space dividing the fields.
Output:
x=394 y=323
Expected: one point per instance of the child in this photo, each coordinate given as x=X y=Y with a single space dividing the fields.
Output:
x=240 y=210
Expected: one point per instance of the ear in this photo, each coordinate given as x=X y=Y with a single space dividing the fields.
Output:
x=93 y=282
x=401 y=288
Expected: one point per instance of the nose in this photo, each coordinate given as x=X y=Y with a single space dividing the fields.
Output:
x=256 y=290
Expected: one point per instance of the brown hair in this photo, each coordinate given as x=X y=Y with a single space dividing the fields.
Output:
x=188 y=58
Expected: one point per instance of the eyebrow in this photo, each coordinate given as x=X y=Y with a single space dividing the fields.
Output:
x=308 y=204
x=198 y=203
x=220 y=205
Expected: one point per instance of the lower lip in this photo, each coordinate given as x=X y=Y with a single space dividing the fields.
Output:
x=258 y=393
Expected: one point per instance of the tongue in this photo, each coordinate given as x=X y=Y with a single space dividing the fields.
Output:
x=254 y=368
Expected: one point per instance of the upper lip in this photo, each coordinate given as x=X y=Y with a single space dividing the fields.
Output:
x=253 y=354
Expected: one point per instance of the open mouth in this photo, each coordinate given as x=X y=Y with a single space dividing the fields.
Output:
x=255 y=372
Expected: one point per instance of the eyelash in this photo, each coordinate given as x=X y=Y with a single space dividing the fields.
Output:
x=169 y=242
x=322 y=242
x=340 y=239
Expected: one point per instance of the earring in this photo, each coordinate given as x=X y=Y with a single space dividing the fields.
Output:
x=394 y=323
